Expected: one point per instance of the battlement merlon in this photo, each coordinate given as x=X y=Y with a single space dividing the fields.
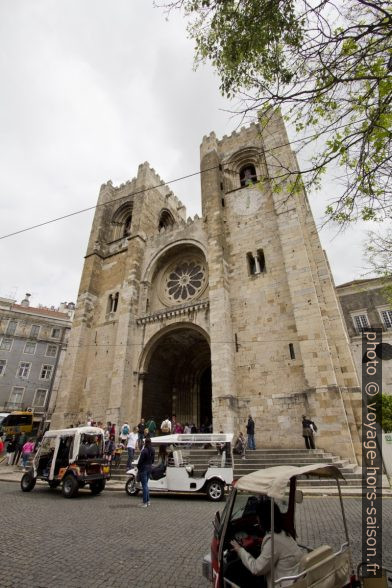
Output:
x=148 y=177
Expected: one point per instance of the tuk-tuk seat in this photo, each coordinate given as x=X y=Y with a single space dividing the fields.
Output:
x=329 y=570
x=313 y=557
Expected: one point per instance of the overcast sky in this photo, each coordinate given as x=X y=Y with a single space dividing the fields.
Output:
x=88 y=91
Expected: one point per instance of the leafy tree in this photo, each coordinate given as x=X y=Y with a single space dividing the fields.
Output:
x=378 y=251
x=328 y=66
x=384 y=411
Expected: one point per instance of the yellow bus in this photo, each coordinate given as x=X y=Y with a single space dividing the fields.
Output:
x=18 y=421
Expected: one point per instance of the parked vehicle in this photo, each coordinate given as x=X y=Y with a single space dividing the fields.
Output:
x=18 y=421
x=175 y=472
x=71 y=457
x=319 y=567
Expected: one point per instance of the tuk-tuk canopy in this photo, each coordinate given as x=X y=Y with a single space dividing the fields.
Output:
x=193 y=438
x=273 y=481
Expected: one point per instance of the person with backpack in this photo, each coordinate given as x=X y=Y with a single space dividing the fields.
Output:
x=124 y=432
x=151 y=426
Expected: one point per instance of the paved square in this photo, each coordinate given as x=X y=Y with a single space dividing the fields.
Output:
x=107 y=540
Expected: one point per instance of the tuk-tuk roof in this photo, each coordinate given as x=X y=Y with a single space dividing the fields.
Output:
x=273 y=481
x=74 y=431
x=193 y=438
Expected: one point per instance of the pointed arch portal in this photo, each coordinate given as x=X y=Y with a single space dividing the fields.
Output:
x=177 y=377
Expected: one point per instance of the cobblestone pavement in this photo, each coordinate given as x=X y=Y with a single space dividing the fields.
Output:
x=107 y=540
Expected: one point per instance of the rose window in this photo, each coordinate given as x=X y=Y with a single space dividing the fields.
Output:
x=185 y=280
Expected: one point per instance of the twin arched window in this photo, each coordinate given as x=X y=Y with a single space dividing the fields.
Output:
x=248 y=175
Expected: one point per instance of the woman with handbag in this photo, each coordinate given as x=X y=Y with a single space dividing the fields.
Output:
x=144 y=467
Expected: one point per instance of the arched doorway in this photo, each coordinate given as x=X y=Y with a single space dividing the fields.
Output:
x=177 y=377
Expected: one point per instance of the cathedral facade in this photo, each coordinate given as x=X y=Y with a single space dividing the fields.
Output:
x=213 y=318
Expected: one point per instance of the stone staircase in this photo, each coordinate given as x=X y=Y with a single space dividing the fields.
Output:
x=263 y=458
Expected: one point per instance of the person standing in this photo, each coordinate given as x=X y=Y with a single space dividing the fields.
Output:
x=110 y=447
x=151 y=426
x=124 y=432
x=144 y=467
x=250 y=431
x=308 y=431
x=166 y=426
x=27 y=451
x=140 y=431
x=131 y=446
x=11 y=447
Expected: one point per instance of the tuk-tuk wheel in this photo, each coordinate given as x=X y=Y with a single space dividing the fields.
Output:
x=27 y=482
x=70 y=486
x=130 y=486
x=215 y=490
x=97 y=486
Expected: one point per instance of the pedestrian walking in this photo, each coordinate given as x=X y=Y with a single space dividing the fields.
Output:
x=308 y=431
x=20 y=441
x=250 y=431
x=131 y=446
x=144 y=467
x=27 y=451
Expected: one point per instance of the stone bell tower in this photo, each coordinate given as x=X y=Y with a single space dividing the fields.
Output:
x=279 y=348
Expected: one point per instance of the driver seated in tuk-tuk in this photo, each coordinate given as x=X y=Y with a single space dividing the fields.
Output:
x=287 y=554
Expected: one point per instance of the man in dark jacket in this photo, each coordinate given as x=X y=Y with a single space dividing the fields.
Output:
x=308 y=430
x=250 y=431
x=144 y=467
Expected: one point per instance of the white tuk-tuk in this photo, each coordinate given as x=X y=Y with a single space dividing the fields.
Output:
x=70 y=457
x=188 y=463
x=320 y=567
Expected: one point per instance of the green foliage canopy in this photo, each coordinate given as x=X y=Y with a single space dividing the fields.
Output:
x=328 y=66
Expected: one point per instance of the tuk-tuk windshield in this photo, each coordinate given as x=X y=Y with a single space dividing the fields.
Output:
x=91 y=446
x=245 y=505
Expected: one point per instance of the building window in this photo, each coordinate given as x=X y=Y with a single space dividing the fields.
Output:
x=360 y=322
x=248 y=175
x=24 y=369
x=40 y=397
x=165 y=220
x=34 y=330
x=386 y=316
x=3 y=363
x=6 y=344
x=11 y=327
x=46 y=372
x=51 y=351
x=55 y=333
x=16 y=397
x=256 y=263
x=292 y=352
x=127 y=226
x=30 y=347
x=113 y=302
x=251 y=264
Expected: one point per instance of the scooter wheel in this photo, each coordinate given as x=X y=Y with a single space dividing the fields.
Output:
x=130 y=486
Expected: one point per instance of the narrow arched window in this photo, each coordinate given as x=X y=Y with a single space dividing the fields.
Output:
x=260 y=260
x=248 y=175
x=251 y=264
x=127 y=226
